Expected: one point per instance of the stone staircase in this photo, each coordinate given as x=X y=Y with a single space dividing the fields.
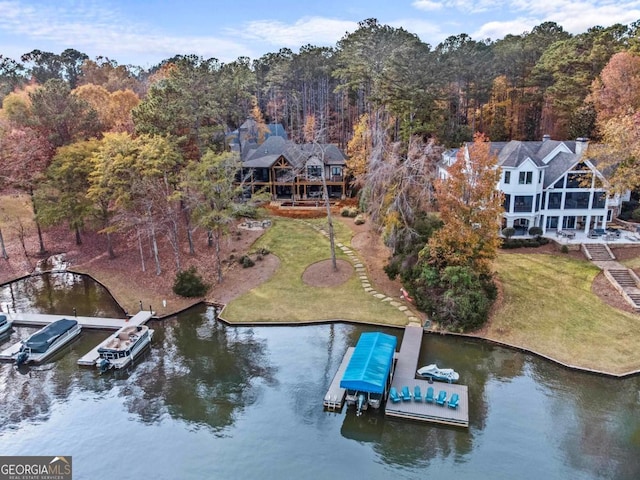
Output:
x=598 y=252
x=626 y=282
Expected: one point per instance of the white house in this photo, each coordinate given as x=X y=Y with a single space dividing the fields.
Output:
x=549 y=184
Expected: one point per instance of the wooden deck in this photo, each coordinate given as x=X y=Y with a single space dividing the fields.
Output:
x=334 y=399
x=406 y=364
x=38 y=320
x=405 y=375
x=432 y=412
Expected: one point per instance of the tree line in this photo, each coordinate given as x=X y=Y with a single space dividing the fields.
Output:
x=146 y=151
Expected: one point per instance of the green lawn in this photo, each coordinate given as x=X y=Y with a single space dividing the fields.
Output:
x=285 y=298
x=633 y=263
x=548 y=307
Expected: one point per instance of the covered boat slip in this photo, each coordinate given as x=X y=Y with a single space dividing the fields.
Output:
x=371 y=364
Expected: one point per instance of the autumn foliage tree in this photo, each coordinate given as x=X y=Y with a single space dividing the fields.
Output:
x=616 y=97
x=470 y=206
x=452 y=279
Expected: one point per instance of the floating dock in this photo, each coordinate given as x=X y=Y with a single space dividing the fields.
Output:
x=405 y=376
x=334 y=399
x=38 y=320
x=406 y=364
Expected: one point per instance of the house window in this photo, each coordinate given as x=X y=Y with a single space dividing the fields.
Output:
x=507 y=177
x=599 y=200
x=555 y=200
x=576 y=200
x=544 y=198
x=506 y=203
x=540 y=176
x=336 y=174
x=537 y=202
x=314 y=171
x=525 y=178
x=559 y=183
x=523 y=203
x=578 y=180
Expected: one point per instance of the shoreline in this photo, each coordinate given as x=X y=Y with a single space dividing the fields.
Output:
x=476 y=338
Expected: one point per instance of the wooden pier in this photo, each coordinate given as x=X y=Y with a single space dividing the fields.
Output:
x=406 y=364
x=405 y=376
x=39 y=320
x=334 y=399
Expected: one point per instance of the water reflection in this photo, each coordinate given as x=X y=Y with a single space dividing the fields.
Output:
x=59 y=293
x=200 y=371
x=215 y=401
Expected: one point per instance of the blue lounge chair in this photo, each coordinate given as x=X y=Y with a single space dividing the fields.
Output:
x=417 y=393
x=406 y=395
x=429 y=396
x=442 y=397
x=393 y=395
x=455 y=399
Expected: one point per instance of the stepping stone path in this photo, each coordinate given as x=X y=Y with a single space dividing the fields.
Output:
x=364 y=279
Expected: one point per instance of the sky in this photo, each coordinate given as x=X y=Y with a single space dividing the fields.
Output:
x=145 y=32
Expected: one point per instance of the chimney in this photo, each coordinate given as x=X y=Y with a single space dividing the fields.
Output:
x=581 y=145
x=546 y=137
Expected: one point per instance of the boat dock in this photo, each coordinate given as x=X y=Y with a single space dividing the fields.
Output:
x=405 y=376
x=334 y=399
x=39 y=320
x=406 y=364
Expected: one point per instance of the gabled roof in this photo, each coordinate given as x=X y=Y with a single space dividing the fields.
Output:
x=557 y=166
x=514 y=153
x=370 y=364
x=266 y=154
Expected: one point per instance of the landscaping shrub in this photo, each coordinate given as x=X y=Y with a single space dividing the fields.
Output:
x=564 y=249
x=508 y=232
x=246 y=261
x=535 y=231
x=189 y=284
x=457 y=298
x=349 y=212
x=359 y=220
x=635 y=215
x=524 y=242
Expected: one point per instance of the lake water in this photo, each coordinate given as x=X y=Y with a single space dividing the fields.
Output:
x=213 y=401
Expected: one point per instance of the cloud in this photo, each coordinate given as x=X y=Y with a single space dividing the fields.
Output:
x=427 y=5
x=574 y=16
x=93 y=29
x=315 y=30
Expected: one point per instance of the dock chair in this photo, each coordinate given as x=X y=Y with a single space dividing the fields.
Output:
x=442 y=397
x=455 y=399
x=429 y=396
x=393 y=395
x=406 y=395
x=417 y=394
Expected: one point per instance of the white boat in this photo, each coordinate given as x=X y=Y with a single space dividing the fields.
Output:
x=5 y=324
x=441 y=374
x=122 y=347
x=48 y=340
